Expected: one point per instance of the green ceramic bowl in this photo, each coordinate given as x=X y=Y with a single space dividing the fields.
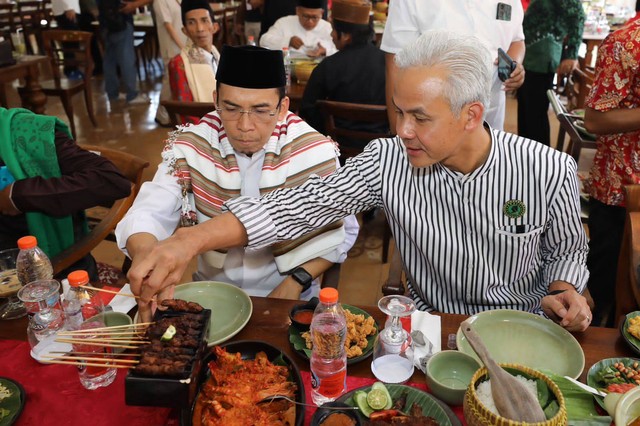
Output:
x=449 y=374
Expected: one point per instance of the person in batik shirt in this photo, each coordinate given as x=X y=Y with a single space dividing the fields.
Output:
x=613 y=113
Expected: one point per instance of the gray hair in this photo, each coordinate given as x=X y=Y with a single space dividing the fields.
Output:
x=464 y=56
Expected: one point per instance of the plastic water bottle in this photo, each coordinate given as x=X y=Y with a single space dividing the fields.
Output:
x=80 y=304
x=32 y=264
x=328 y=357
x=287 y=65
x=251 y=41
x=83 y=309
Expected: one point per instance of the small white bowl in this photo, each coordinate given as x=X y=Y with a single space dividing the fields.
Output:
x=628 y=407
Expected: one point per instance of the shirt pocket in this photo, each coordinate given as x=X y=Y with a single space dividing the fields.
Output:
x=519 y=251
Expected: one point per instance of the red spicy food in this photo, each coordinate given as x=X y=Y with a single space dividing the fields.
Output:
x=303 y=317
x=231 y=394
x=621 y=387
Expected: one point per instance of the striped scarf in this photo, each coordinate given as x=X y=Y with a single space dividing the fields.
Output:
x=203 y=160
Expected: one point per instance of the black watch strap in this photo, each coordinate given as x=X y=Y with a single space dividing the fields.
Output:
x=302 y=277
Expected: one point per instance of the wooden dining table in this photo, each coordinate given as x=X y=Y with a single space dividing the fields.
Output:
x=269 y=322
x=27 y=68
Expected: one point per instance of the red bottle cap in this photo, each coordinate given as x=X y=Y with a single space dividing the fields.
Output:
x=329 y=295
x=78 y=278
x=27 y=242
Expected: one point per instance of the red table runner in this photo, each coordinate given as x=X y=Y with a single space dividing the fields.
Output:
x=355 y=383
x=54 y=395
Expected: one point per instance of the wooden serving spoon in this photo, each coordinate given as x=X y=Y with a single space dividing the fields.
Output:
x=512 y=398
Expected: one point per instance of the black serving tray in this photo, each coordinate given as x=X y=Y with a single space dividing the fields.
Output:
x=175 y=392
x=248 y=350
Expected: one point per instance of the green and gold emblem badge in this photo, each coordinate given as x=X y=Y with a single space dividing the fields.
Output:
x=514 y=209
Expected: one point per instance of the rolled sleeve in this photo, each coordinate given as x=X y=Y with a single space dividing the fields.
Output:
x=254 y=215
x=565 y=246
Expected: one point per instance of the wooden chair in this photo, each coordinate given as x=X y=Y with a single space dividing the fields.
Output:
x=131 y=166
x=576 y=88
x=8 y=13
x=567 y=126
x=31 y=15
x=178 y=109
x=69 y=48
x=627 y=280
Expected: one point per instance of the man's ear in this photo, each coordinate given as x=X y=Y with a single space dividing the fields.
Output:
x=284 y=108
x=473 y=115
x=216 y=27
x=215 y=96
x=184 y=31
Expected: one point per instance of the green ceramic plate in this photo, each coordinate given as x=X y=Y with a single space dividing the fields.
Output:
x=632 y=341
x=230 y=307
x=300 y=346
x=11 y=405
x=527 y=339
x=595 y=368
x=429 y=404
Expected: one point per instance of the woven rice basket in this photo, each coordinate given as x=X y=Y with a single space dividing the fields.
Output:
x=476 y=414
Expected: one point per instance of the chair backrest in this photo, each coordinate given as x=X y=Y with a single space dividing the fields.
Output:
x=69 y=49
x=30 y=16
x=178 y=109
x=131 y=166
x=8 y=13
x=576 y=88
x=352 y=141
x=627 y=284
x=567 y=125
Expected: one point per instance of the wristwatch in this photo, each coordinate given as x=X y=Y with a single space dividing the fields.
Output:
x=302 y=277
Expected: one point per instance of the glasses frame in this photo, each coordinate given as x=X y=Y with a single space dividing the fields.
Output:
x=312 y=18
x=249 y=112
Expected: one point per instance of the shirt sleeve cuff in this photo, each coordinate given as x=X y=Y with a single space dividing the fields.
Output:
x=574 y=273
x=261 y=230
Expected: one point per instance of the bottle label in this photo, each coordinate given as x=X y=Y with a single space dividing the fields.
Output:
x=330 y=386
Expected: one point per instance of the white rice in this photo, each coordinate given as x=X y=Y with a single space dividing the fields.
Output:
x=486 y=398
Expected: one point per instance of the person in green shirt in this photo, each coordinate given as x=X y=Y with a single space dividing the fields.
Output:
x=553 y=33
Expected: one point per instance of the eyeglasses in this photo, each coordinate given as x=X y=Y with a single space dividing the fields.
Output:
x=313 y=18
x=258 y=114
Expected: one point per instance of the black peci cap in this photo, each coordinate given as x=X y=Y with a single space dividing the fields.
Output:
x=311 y=4
x=251 y=67
x=188 y=5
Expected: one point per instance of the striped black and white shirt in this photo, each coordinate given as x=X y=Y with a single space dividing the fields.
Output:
x=494 y=238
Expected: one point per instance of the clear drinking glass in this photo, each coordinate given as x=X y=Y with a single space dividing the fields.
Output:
x=392 y=351
x=42 y=301
x=9 y=285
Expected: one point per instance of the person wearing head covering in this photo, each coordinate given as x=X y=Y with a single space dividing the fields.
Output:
x=192 y=72
x=305 y=33
x=250 y=145
x=340 y=76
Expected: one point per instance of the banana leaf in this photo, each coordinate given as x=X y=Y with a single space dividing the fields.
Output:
x=581 y=410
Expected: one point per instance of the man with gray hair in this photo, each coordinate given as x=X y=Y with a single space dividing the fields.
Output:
x=483 y=219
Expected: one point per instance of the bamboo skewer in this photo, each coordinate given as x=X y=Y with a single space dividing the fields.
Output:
x=72 y=353
x=90 y=343
x=98 y=340
x=89 y=364
x=114 y=328
x=104 y=290
x=90 y=358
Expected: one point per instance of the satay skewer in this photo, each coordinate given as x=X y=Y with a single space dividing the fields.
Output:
x=88 y=342
x=104 y=290
x=89 y=364
x=81 y=340
x=113 y=327
x=89 y=358
x=71 y=353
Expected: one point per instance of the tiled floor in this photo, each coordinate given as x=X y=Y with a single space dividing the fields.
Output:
x=132 y=129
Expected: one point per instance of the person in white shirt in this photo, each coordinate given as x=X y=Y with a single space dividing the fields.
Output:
x=171 y=39
x=482 y=219
x=305 y=33
x=250 y=145
x=497 y=23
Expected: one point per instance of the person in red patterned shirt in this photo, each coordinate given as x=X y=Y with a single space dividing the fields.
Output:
x=613 y=113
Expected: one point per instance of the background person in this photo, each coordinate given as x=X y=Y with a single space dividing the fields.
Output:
x=249 y=146
x=613 y=113
x=469 y=238
x=55 y=181
x=341 y=77
x=553 y=33
x=305 y=33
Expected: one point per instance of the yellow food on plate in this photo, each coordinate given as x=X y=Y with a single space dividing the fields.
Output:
x=634 y=327
x=359 y=328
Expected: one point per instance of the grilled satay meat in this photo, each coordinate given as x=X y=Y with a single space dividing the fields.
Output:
x=167 y=351
x=182 y=306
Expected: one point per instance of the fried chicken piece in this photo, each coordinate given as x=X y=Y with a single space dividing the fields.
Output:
x=359 y=328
